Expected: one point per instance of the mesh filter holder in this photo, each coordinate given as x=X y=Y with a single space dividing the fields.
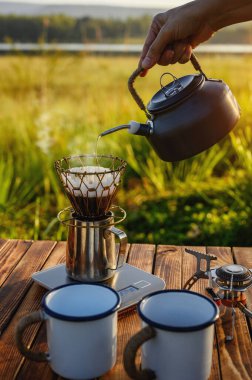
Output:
x=90 y=182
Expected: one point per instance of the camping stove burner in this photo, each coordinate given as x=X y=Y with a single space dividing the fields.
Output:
x=233 y=277
x=239 y=273
x=231 y=281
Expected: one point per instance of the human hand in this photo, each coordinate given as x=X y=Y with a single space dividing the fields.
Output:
x=173 y=35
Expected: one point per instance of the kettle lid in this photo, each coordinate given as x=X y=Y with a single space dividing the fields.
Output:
x=174 y=92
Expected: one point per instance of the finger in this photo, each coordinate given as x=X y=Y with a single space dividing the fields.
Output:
x=179 y=50
x=166 y=57
x=156 y=49
x=187 y=55
x=149 y=40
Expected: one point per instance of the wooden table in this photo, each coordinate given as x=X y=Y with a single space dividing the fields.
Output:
x=19 y=295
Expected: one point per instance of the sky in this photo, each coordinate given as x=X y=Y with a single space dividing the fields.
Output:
x=138 y=3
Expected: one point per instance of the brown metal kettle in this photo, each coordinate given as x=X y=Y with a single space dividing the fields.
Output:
x=185 y=117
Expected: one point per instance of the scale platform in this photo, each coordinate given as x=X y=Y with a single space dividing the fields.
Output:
x=130 y=282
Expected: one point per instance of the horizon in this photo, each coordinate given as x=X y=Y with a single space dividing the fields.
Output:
x=127 y=3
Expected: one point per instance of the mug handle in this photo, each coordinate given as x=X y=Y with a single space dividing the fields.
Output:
x=130 y=354
x=35 y=317
x=123 y=244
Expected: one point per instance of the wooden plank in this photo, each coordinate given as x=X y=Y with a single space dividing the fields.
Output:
x=223 y=254
x=243 y=256
x=235 y=355
x=19 y=281
x=168 y=265
x=141 y=256
x=12 y=364
x=2 y=243
x=11 y=252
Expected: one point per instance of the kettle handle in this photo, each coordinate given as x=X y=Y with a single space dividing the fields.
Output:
x=196 y=65
x=136 y=73
x=134 y=94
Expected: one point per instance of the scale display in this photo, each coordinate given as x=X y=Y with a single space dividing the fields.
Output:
x=126 y=291
x=130 y=282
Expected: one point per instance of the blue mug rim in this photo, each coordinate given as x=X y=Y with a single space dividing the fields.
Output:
x=167 y=327
x=92 y=317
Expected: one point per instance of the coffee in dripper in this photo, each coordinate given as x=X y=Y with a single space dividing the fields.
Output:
x=90 y=188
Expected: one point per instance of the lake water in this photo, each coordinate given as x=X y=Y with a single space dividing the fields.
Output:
x=118 y=48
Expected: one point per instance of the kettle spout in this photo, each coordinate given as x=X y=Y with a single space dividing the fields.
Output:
x=115 y=129
x=133 y=127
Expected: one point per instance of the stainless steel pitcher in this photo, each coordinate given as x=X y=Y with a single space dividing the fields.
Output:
x=91 y=253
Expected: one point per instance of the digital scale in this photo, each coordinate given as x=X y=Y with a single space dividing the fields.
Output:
x=130 y=282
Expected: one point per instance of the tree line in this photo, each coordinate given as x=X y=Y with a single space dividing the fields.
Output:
x=62 y=28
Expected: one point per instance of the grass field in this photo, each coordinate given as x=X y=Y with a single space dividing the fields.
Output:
x=56 y=105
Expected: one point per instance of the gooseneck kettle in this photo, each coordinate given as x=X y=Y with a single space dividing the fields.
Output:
x=186 y=116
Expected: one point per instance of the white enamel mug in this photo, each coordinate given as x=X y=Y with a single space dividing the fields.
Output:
x=176 y=339
x=81 y=326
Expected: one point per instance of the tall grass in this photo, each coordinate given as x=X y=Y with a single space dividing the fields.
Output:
x=56 y=105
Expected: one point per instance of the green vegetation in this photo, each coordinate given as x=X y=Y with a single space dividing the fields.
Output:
x=67 y=29
x=61 y=28
x=56 y=105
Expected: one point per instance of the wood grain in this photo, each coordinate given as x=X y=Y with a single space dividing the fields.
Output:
x=2 y=242
x=30 y=302
x=243 y=256
x=168 y=265
x=18 y=282
x=11 y=253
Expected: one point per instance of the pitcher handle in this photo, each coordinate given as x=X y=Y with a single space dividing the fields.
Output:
x=35 y=317
x=130 y=351
x=123 y=245
x=137 y=72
